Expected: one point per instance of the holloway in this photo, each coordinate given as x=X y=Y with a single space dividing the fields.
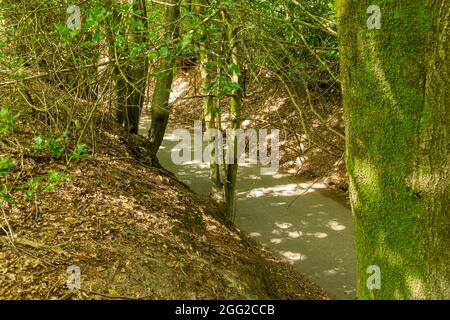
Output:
x=230 y=149
x=192 y=310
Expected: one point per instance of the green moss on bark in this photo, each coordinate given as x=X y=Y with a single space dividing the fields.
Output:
x=385 y=74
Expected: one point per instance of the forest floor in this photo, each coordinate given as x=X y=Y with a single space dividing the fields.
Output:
x=134 y=231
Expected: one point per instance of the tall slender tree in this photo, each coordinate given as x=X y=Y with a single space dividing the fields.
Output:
x=210 y=113
x=165 y=74
x=132 y=75
x=230 y=179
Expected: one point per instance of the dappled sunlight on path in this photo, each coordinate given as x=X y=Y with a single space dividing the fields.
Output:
x=310 y=230
x=294 y=219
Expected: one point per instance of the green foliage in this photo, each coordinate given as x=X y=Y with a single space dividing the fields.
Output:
x=37 y=184
x=65 y=34
x=6 y=121
x=223 y=86
x=6 y=165
x=152 y=55
x=186 y=40
x=43 y=183
x=97 y=14
x=54 y=147
x=5 y=195
x=80 y=151
x=57 y=147
x=164 y=52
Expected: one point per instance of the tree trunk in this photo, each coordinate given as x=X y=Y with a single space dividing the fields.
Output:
x=395 y=78
x=230 y=182
x=132 y=77
x=209 y=112
x=117 y=82
x=161 y=95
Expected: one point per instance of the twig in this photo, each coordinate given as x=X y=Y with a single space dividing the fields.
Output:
x=36 y=245
x=305 y=191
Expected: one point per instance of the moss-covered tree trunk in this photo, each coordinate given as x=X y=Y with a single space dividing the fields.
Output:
x=165 y=74
x=395 y=77
x=230 y=181
x=209 y=110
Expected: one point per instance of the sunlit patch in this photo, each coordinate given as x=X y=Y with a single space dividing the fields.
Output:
x=198 y=164
x=245 y=124
x=276 y=240
x=284 y=225
x=255 y=193
x=189 y=163
x=254 y=234
x=331 y=272
x=179 y=150
x=278 y=204
x=293 y=256
x=336 y=226
x=179 y=87
x=348 y=292
x=320 y=186
x=320 y=235
x=246 y=164
x=276 y=232
x=281 y=176
x=295 y=234
x=278 y=191
x=300 y=160
x=171 y=137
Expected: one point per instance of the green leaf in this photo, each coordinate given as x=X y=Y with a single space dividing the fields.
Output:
x=137 y=49
x=38 y=143
x=6 y=164
x=6 y=197
x=164 y=52
x=152 y=55
x=186 y=40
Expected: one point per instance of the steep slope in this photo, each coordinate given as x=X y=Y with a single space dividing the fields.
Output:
x=134 y=231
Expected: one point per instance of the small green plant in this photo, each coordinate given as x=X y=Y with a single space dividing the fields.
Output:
x=43 y=183
x=57 y=147
x=6 y=121
x=53 y=146
x=80 y=151
x=5 y=195
x=6 y=164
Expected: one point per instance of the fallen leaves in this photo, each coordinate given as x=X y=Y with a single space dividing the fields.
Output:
x=135 y=233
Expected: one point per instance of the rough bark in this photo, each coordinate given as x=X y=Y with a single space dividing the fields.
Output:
x=209 y=112
x=132 y=79
x=230 y=181
x=161 y=95
x=395 y=85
